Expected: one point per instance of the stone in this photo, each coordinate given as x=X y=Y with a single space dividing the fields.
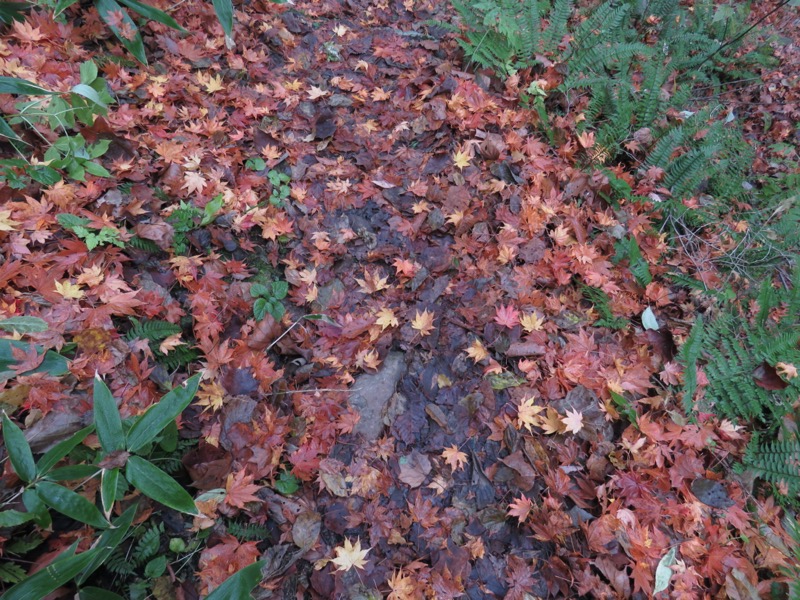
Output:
x=371 y=393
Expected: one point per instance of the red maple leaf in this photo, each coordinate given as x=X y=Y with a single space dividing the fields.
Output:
x=239 y=490
x=507 y=316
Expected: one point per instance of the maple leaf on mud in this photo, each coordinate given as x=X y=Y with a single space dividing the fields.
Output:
x=350 y=555
x=507 y=316
x=423 y=322
x=454 y=457
x=239 y=490
x=520 y=508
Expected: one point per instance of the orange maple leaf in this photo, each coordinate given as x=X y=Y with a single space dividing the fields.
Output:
x=423 y=322
x=454 y=457
x=528 y=414
x=239 y=489
x=477 y=351
x=520 y=508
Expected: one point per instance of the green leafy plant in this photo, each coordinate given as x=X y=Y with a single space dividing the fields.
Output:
x=91 y=234
x=113 y=13
x=280 y=187
x=628 y=249
x=58 y=112
x=602 y=303
x=122 y=461
x=268 y=299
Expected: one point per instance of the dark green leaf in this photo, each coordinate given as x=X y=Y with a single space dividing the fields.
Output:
x=151 y=423
x=71 y=504
x=152 y=13
x=287 y=484
x=156 y=484
x=56 y=453
x=107 y=8
x=279 y=289
x=7 y=132
x=211 y=209
x=24 y=324
x=108 y=542
x=258 y=290
x=108 y=489
x=95 y=593
x=260 y=308
x=224 y=10
x=12 y=518
x=37 y=508
x=156 y=567
x=106 y=418
x=53 y=364
x=13 y=11
x=239 y=585
x=14 y=85
x=72 y=472
x=19 y=451
x=62 y=6
x=56 y=574
x=44 y=175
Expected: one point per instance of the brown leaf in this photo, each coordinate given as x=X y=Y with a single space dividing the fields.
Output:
x=306 y=529
x=663 y=343
x=414 y=468
x=767 y=377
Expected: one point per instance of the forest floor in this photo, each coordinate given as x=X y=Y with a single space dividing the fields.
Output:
x=452 y=410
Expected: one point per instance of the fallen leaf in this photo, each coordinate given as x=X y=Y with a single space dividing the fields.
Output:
x=520 y=508
x=350 y=555
x=454 y=457
x=423 y=322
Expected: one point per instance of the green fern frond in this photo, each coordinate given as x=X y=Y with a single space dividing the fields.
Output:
x=248 y=532
x=152 y=330
x=777 y=462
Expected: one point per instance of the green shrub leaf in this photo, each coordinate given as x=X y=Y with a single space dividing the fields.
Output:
x=19 y=451
x=108 y=542
x=156 y=484
x=224 y=10
x=108 y=489
x=71 y=504
x=24 y=324
x=12 y=518
x=15 y=85
x=153 y=422
x=109 y=10
x=240 y=584
x=152 y=13
x=106 y=418
x=53 y=364
x=56 y=574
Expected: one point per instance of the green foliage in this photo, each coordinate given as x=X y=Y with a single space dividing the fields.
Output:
x=124 y=458
x=739 y=356
x=247 y=532
x=280 y=187
x=777 y=462
x=156 y=331
x=268 y=299
x=184 y=220
x=628 y=249
x=57 y=112
x=602 y=303
x=90 y=233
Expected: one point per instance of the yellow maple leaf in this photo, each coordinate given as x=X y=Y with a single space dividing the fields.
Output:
x=454 y=457
x=531 y=322
x=373 y=282
x=69 y=290
x=6 y=222
x=212 y=84
x=350 y=555
x=423 y=322
x=386 y=318
x=573 y=421
x=528 y=414
x=787 y=370
x=551 y=422
x=477 y=351
x=193 y=182
x=461 y=159
x=170 y=343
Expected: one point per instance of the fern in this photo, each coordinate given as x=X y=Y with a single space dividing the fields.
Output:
x=144 y=245
x=777 y=462
x=601 y=302
x=628 y=249
x=248 y=531
x=152 y=330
